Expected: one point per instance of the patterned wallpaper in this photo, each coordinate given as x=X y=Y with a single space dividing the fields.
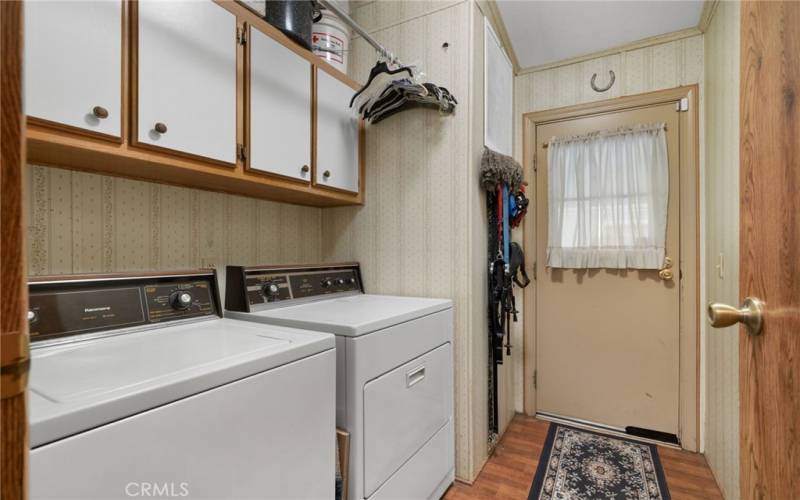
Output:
x=412 y=235
x=722 y=187
x=80 y=222
x=663 y=66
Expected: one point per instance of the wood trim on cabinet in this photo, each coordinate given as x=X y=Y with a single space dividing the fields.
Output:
x=251 y=18
x=134 y=99
x=72 y=129
x=58 y=149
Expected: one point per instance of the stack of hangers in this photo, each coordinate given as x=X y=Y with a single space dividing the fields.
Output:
x=389 y=91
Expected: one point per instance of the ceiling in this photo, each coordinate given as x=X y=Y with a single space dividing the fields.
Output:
x=544 y=32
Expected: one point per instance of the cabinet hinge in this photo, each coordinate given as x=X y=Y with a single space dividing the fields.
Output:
x=241 y=36
x=534 y=380
x=683 y=105
x=534 y=270
x=241 y=152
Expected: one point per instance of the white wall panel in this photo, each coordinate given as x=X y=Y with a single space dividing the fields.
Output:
x=722 y=189
x=412 y=235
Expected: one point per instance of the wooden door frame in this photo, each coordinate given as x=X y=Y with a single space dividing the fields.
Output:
x=689 y=341
x=13 y=272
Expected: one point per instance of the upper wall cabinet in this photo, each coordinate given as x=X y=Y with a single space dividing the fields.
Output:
x=73 y=64
x=338 y=164
x=198 y=93
x=280 y=109
x=186 y=78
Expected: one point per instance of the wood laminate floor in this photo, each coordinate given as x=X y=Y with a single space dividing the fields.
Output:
x=509 y=472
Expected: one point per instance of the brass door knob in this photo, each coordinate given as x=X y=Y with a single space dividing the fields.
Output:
x=160 y=128
x=666 y=273
x=100 y=112
x=751 y=315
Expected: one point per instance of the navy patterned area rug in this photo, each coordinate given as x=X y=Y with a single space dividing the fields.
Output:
x=582 y=465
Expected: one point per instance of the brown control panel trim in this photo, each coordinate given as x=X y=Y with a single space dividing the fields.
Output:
x=65 y=306
x=250 y=288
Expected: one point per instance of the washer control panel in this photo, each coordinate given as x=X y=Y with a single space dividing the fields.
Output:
x=253 y=288
x=66 y=306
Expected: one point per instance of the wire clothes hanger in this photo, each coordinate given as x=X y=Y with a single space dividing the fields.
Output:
x=392 y=86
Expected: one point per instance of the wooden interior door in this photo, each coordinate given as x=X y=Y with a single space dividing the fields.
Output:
x=13 y=286
x=607 y=340
x=769 y=364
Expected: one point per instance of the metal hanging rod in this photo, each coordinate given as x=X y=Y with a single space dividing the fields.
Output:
x=333 y=6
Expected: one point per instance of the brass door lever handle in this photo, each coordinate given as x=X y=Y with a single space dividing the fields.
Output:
x=751 y=315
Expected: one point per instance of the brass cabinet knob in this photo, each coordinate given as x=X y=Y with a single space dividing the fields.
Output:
x=305 y=169
x=326 y=174
x=100 y=112
x=160 y=128
x=751 y=315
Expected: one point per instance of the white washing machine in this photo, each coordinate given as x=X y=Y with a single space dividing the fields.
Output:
x=394 y=390
x=138 y=388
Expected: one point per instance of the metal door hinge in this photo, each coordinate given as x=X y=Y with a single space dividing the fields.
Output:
x=534 y=270
x=534 y=379
x=682 y=105
x=241 y=152
x=241 y=36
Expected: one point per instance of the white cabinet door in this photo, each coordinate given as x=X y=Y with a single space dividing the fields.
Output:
x=187 y=78
x=73 y=63
x=337 y=135
x=280 y=109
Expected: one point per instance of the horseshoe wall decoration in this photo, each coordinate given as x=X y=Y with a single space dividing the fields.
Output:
x=603 y=89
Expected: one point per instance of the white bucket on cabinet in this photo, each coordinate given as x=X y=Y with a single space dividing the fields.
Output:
x=330 y=40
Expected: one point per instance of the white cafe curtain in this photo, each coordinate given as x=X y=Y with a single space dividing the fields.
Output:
x=607 y=205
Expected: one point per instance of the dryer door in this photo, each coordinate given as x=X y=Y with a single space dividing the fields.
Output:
x=403 y=409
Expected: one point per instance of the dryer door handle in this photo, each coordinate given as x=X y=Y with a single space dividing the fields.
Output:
x=415 y=376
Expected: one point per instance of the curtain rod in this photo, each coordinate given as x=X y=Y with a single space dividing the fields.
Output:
x=345 y=17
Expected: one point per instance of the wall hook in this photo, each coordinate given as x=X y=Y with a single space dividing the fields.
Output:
x=610 y=83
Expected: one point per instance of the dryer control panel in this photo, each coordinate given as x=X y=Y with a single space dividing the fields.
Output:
x=67 y=306
x=256 y=288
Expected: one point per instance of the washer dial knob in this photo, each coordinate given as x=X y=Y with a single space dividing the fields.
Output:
x=271 y=290
x=327 y=283
x=180 y=299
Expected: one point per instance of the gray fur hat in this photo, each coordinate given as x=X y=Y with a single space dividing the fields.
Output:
x=497 y=169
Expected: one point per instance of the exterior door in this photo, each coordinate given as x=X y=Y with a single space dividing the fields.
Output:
x=607 y=340
x=769 y=363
